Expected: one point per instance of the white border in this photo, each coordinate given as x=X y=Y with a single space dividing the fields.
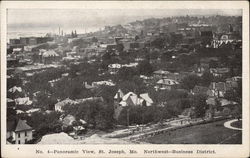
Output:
x=221 y=150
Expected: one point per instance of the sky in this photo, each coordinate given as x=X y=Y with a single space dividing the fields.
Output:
x=49 y=20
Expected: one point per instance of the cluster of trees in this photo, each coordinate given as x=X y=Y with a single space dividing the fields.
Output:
x=189 y=82
x=43 y=123
x=97 y=113
x=170 y=104
x=39 y=81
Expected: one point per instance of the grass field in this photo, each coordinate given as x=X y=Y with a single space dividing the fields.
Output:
x=211 y=133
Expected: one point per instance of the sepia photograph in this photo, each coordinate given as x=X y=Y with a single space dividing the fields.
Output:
x=132 y=76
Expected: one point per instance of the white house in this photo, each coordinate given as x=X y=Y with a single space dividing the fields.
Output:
x=21 y=133
x=59 y=106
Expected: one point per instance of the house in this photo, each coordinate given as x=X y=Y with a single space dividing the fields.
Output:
x=229 y=37
x=89 y=99
x=199 y=90
x=15 y=89
x=17 y=50
x=203 y=67
x=129 y=99
x=218 y=89
x=19 y=133
x=114 y=68
x=29 y=112
x=219 y=72
x=87 y=86
x=147 y=101
x=233 y=82
x=23 y=101
x=49 y=56
x=59 y=106
x=132 y=99
x=161 y=74
x=119 y=95
x=103 y=83
x=177 y=76
x=130 y=65
x=167 y=84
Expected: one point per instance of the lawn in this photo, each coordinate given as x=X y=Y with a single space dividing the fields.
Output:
x=211 y=133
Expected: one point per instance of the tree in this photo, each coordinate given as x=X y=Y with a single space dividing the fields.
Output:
x=190 y=81
x=200 y=105
x=94 y=39
x=206 y=79
x=145 y=68
x=126 y=73
x=93 y=112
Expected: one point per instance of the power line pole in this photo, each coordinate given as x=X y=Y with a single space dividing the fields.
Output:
x=128 y=117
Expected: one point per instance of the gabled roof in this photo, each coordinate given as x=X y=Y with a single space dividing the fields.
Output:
x=120 y=92
x=135 y=100
x=162 y=72
x=66 y=101
x=167 y=82
x=22 y=126
x=14 y=89
x=126 y=96
x=219 y=70
x=146 y=97
x=50 y=53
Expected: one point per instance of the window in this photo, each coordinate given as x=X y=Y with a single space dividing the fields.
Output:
x=18 y=135
x=19 y=142
x=25 y=141
x=25 y=133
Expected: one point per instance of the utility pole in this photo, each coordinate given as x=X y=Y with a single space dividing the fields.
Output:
x=128 y=117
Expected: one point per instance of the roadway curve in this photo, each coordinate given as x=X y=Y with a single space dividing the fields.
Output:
x=228 y=125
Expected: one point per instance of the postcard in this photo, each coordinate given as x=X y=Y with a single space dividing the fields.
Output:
x=125 y=79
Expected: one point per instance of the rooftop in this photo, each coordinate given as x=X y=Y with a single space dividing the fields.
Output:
x=22 y=126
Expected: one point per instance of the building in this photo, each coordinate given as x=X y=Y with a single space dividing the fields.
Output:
x=166 y=84
x=19 y=133
x=34 y=40
x=219 y=72
x=161 y=74
x=15 y=41
x=199 y=90
x=23 y=101
x=59 y=106
x=103 y=83
x=48 y=56
x=218 y=89
x=114 y=68
x=130 y=99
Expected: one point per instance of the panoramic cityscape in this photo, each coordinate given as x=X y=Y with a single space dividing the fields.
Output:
x=114 y=77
